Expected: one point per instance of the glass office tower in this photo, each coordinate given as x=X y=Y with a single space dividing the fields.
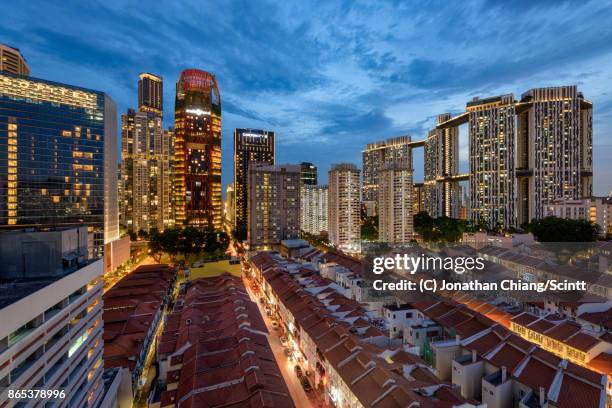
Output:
x=53 y=139
x=197 y=117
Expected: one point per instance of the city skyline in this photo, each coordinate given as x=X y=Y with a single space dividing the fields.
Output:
x=386 y=87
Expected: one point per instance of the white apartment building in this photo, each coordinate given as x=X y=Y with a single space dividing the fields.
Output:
x=314 y=208
x=51 y=337
x=344 y=213
x=395 y=224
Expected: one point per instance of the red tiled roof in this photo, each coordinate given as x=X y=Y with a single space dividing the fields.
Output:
x=574 y=393
x=537 y=374
x=582 y=341
x=130 y=307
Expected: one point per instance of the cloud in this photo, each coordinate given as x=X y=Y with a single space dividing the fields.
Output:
x=328 y=77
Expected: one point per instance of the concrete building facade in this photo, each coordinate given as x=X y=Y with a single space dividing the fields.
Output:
x=314 y=203
x=274 y=204
x=344 y=210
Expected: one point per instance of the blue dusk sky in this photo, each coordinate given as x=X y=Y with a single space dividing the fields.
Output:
x=328 y=77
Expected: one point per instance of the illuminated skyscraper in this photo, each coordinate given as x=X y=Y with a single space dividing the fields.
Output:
x=492 y=152
x=12 y=61
x=309 y=174
x=146 y=172
x=314 y=208
x=60 y=146
x=251 y=146
x=197 y=158
x=395 y=191
x=441 y=160
x=344 y=210
x=151 y=94
x=554 y=149
x=274 y=204
x=375 y=157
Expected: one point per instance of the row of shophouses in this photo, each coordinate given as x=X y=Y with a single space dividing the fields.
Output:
x=470 y=349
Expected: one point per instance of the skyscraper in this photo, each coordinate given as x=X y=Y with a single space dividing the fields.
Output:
x=375 y=157
x=309 y=174
x=492 y=153
x=151 y=94
x=274 y=204
x=61 y=168
x=395 y=224
x=525 y=155
x=12 y=61
x=230 y=203
x=554 y=149
x=314 y=208
x=146 y=171
x=344 y=210
x=197 y=158
x=441 y=161
x=251 y=146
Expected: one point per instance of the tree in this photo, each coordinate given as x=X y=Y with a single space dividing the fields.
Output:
x=441 y=229
x=554 y=229
x=186 y=242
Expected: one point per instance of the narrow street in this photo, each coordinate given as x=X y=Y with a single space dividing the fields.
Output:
x=299 y=396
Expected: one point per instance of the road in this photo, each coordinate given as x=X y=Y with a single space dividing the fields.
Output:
x=299 y=396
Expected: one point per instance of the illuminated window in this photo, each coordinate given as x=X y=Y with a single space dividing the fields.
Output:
x=55 y=199
x=43 y=191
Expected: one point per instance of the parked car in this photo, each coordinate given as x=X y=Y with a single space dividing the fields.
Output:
x=283 y=341
x=288 y=354
x=306 y=384
x=274 y=325
x=298 y=371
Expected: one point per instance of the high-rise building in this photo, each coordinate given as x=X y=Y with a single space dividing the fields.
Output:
x=525 y=155
x=12 y=61
x=146 y=166
x=344 y=217
x=375 y=157
x=314 y=208
x=60 y=145
x=51 y=314
x=251 y=146
x=274 y=204
x=395 y=222
x=169 y=164
x=151 y=94
x=441 y=160
x=230 y=206
x=418 y=198
x=309 y=174
x=197 y=147
x=492 y=153
x=554 y=157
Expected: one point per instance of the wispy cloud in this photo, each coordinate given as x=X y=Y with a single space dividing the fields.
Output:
x=328 y=77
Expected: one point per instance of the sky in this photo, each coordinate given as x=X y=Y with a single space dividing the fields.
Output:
x=328 y=77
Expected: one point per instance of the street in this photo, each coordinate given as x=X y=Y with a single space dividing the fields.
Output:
x=299 y=396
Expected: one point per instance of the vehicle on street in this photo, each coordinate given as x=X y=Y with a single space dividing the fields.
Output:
x=298 y=371
x=284 y=341
x=274 y=325
x=306 y=384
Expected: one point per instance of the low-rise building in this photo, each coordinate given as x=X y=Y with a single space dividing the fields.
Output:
x=214 y=351
x=133 y=309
